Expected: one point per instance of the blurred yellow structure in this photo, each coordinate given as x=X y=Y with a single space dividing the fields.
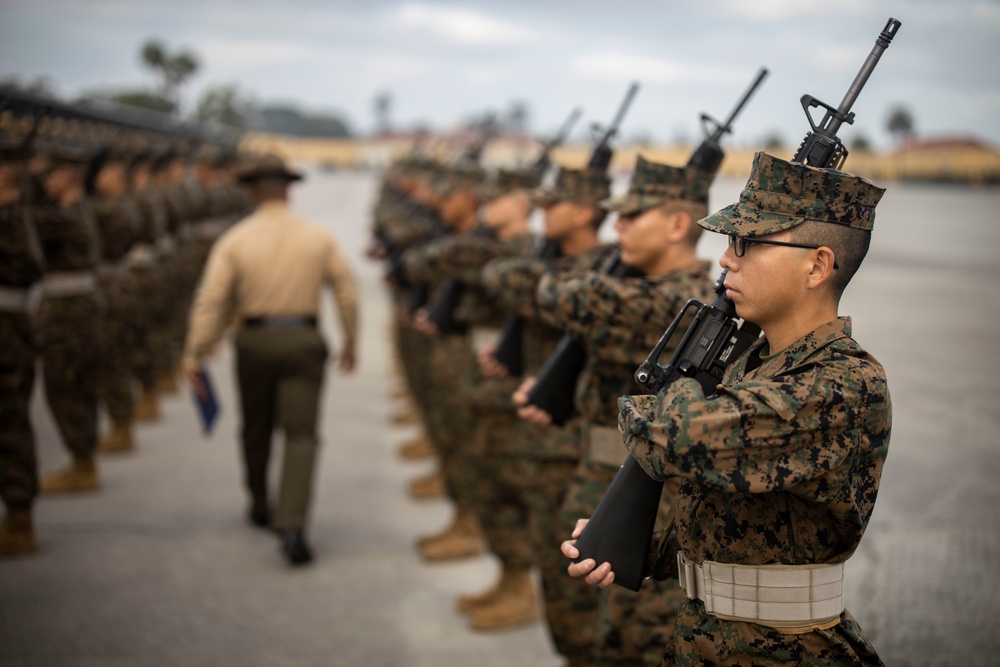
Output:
x=954 y=161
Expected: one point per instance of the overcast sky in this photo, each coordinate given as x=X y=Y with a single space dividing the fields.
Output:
x=443 y=61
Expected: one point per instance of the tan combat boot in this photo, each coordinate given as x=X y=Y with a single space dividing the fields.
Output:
x=17 y=535
x=461 y=539
x=147 y=408
x=400 y=393
x=409 y=416
x=118 y=440
x=516 y=603
x=428 y=486
x=467 y=603
x=417 y=449
x=80 y=476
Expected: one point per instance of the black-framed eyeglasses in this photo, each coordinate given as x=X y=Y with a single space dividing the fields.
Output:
x=739 y=245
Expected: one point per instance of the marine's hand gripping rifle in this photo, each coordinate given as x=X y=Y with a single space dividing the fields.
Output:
x=554 y=384
x=621 y=528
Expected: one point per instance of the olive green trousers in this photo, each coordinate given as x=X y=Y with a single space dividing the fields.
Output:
x=280 y=373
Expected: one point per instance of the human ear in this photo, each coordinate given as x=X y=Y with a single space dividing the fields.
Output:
x=678 y=226
x=822 y=266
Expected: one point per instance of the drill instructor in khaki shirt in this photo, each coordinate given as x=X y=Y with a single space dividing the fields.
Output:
x=265 y=274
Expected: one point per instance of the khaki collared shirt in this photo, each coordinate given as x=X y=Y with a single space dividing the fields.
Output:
x=270 y=263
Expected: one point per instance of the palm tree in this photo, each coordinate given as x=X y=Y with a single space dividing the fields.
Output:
x=900 y=123
x=172 y=69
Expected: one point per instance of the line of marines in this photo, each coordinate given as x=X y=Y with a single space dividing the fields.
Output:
x=520 y=482
x=100 y=251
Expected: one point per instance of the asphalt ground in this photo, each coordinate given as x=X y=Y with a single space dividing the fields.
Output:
x=161 y=568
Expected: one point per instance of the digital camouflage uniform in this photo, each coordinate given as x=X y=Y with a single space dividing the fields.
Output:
x=182 y=213
x=783 y=466
x=493 y=454
x=147 y=267
x=400 y=223
x=69 y=324
x=618 y=320
x=118 y=221
x=451 y=361
x=21 y=267
x=552 y=452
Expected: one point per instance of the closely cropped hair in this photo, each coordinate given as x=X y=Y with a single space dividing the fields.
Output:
x=849 y=245
x=695 y=210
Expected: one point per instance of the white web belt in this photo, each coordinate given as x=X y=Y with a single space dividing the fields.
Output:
x=16 y=299
x=69 y=283
x=799 y=596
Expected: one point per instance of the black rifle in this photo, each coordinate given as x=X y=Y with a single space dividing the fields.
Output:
x=709 y=154
x=553 y=389
x=543 y=162
x=509 y=351
x=554 y=382
x=621 y=528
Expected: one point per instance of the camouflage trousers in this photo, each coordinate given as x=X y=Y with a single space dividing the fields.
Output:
x=570 y=604
x=632 y=627
x=414 y=353
x=118 y=340
x=18 y=460
x=167 y=335
x=702 y=639
x=69 y=330
x=148 y=284
x=448 y=415
x=502 y=469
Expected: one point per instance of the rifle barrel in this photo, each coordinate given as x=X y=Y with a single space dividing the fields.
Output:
x=881 y=44
x=742 y=103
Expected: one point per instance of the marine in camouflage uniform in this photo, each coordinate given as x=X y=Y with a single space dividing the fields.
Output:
x=779 y=472
x=118 y=222
x=21 y=266
x=404 y=217
x=70 y=317
x=451 y=362
x=553 y=452
x=493 y=457
x=618 y=320
x=147 y=266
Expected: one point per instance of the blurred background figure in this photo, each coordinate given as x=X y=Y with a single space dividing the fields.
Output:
x=266 y=273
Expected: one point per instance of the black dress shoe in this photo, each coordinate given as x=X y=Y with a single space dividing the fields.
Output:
x=293 y=545
x=260 y=516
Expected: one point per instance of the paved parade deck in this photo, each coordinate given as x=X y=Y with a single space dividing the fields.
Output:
x=161 y=568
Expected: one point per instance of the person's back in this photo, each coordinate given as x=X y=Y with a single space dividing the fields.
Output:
x=282 y=261
x=266 y=273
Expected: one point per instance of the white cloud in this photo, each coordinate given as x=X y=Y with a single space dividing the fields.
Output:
x=775 y=10
x=613 y=65
x=988 y=12
x=462 y=26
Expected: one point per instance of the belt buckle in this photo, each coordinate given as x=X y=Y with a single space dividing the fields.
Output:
x=685 y=576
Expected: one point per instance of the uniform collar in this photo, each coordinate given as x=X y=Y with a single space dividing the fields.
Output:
x=799 y=352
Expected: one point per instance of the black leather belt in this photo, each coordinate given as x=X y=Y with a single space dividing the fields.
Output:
x=280 y=322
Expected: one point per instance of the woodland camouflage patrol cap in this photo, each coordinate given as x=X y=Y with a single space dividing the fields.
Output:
x=654 y=183
x=580 y=186
x=508 y=180
x=780 y=195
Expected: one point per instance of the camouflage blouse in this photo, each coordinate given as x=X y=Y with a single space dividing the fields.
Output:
x=68 y=237
x=21 y=261
x=619 y=320
x=782 y=467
